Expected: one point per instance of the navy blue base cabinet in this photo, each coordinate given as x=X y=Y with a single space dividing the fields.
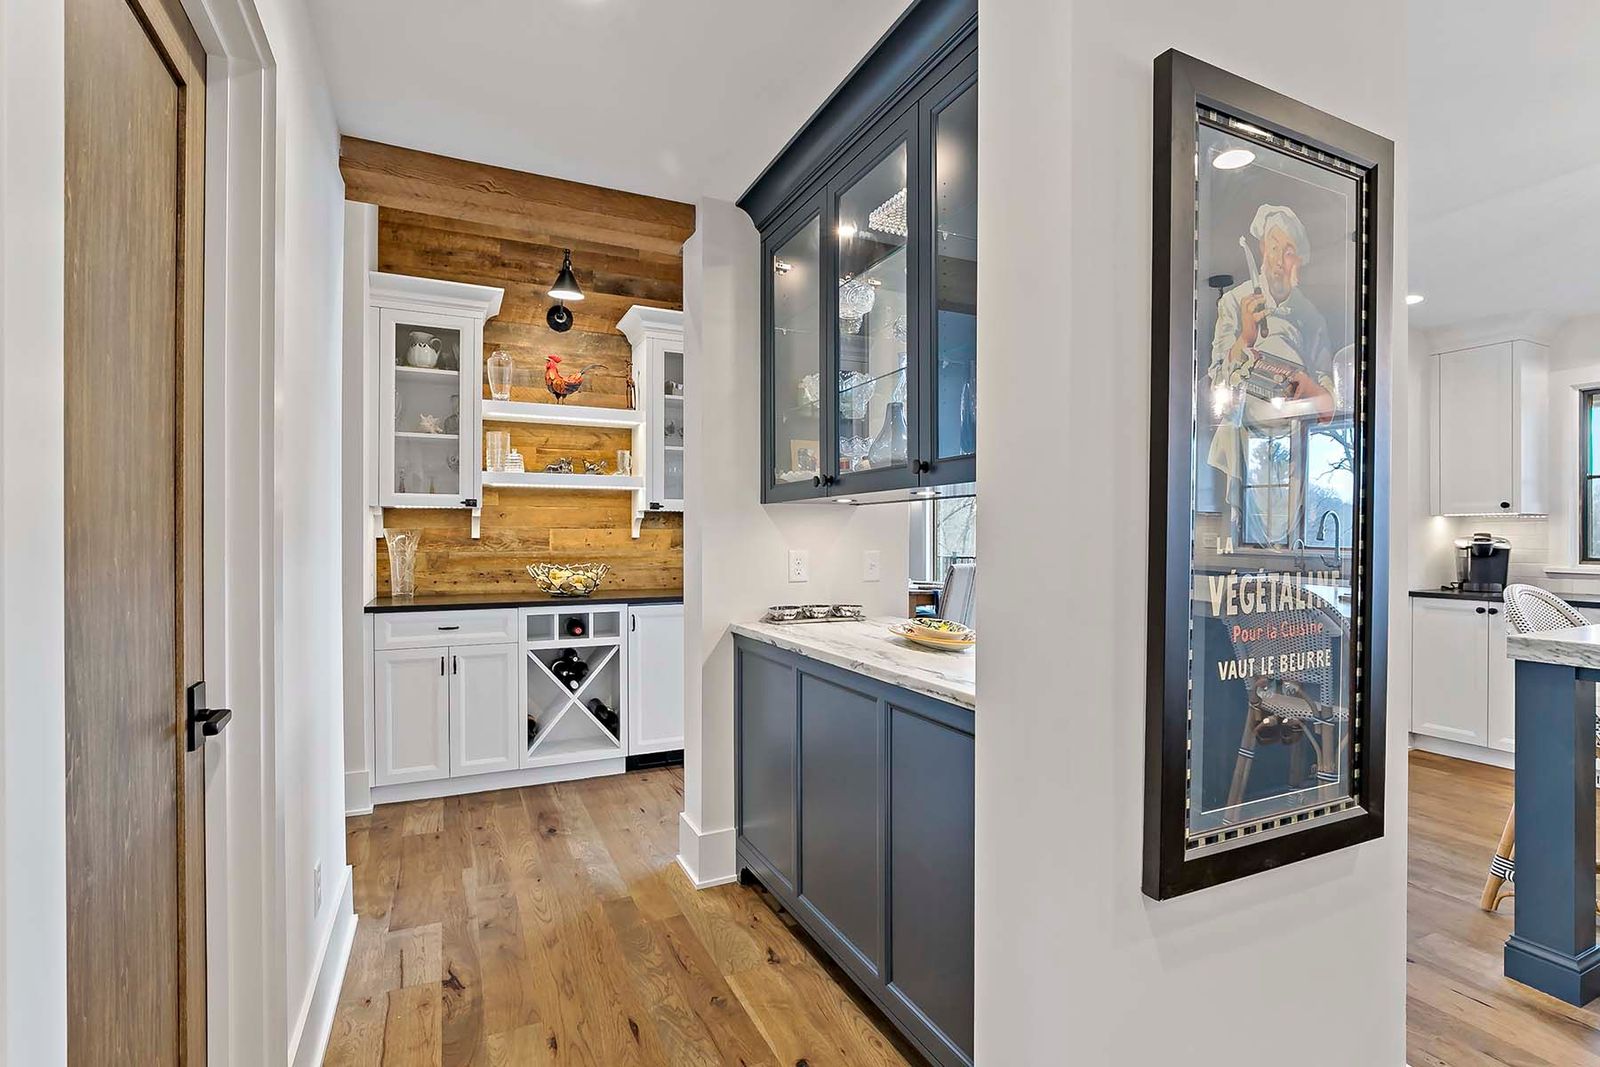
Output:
x=855 y=809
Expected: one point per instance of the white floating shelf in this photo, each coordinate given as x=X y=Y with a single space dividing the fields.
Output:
x=545 y=480
x=419 y=435
x=426 y=373
x=560 y=414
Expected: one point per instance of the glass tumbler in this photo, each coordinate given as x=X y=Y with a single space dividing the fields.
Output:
x=496 y=447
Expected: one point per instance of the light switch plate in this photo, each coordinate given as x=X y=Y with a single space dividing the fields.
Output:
x=799 y=565
x=871 y=565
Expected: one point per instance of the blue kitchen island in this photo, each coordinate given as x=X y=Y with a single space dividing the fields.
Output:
x=1552 y=947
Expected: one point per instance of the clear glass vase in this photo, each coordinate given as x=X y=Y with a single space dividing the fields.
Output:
x=402 y=560
x=499 y=370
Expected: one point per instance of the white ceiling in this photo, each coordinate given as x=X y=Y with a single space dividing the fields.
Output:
x=1505 y=159
x=674 y=98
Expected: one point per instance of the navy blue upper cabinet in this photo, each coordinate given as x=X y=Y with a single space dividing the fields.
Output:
x=869 y=261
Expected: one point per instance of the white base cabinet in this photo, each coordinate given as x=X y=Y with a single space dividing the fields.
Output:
x=483 y=695
x=411 y=703
x=1450 y=669
x=467 y=700
x=655 y=678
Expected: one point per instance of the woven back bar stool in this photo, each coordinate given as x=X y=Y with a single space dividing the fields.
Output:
x=1529 y=609
x=1298 y=708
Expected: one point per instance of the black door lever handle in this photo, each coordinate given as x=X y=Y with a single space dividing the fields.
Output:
x=202 y=722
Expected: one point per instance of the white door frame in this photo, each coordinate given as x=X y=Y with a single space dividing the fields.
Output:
x=247 y=994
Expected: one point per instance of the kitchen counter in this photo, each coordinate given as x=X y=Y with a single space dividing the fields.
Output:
x=1577 y=600
x=517 y=598
x=1575 y=646
x=869 y=649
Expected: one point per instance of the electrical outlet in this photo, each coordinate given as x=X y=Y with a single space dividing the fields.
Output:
x=871 y=565
x=316 y=888
x=799 y=565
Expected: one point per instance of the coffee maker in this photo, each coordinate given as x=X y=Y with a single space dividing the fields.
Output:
x=1482 y=561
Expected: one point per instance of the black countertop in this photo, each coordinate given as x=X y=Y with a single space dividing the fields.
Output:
x=1577 y=600
x=520 y=598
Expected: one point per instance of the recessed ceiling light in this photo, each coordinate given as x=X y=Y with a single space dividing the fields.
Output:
x=1233 y=159
x=844 y=500
x=1415 y=298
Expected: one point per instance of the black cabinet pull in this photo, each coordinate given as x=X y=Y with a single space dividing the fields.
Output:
x=816 y=481
x=923 y=466
x=1494 y=611
x=1482 y=610
x=455 y=665
x=457 y=627
x=1505 y=504
x=441 y=662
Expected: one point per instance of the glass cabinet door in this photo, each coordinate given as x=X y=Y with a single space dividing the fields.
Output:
x=794 y=341
x=672 y=402
x=423 y=463
x=870 y=327
x=954 y=378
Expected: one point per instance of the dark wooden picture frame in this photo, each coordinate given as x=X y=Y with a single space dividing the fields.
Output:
x=1183 y=87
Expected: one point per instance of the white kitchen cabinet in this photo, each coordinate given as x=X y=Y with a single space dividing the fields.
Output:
x=425 y=345
x=411 y=720
x=485 y=732
x=1490 y=404
x=1449 y=670
x=1502 y=697
x=655 y=678
x=658 y=361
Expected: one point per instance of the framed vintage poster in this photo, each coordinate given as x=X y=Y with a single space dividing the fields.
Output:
x=1269 y=472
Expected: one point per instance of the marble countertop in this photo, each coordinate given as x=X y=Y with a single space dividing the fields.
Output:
x=869 y=648
x=1575 y=646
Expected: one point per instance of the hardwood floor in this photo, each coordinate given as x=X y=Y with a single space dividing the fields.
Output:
x=553 y=926
x=1461 y=1011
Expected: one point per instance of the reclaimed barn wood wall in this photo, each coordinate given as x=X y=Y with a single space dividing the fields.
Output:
x=467 y=222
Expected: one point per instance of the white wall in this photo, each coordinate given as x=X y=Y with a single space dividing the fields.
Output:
x=735 y=549
x=307 y=520
x=33 y=910
x=1074 y=964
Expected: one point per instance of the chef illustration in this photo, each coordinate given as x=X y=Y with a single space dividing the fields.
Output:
x=1271 y=359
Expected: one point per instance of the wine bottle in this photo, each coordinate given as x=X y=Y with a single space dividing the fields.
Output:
x=574 y=626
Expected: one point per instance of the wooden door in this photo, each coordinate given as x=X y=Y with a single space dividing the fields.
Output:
x=487 y=730
x=1449 y=670
x=411 y=715
x=135 y=121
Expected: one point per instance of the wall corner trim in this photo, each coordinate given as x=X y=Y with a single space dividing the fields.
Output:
x=706 y=856
x=309 y=1043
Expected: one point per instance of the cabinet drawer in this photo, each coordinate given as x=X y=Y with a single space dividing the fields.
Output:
x=425 y=629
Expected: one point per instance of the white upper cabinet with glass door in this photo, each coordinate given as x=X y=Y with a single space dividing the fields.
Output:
x=427 y=335
x=657 y=338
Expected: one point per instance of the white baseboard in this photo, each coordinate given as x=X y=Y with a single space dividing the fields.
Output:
x=707 y=857
x=1457 y=750
x=483 y=783
x=357 y=793
x=309 y=1041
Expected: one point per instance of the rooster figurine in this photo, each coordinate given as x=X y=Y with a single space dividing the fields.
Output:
x=561 y=385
